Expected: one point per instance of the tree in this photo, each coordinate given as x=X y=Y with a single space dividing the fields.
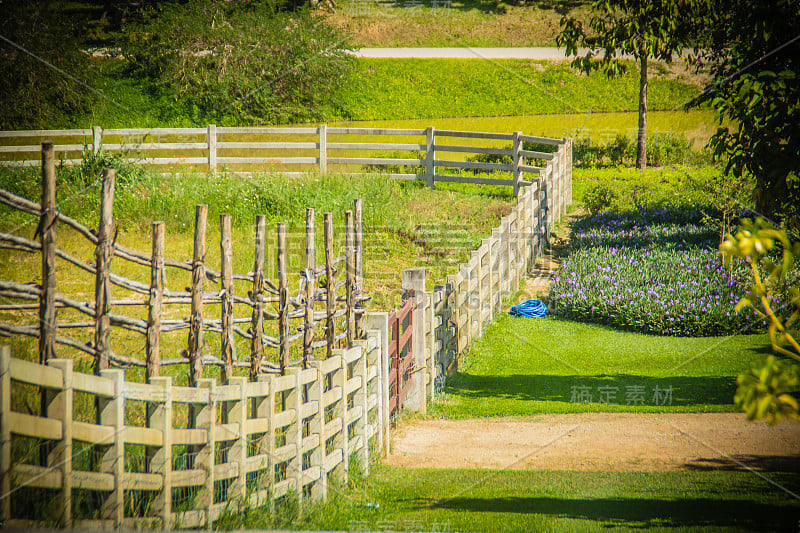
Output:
x=643 y=29
x=752 y=48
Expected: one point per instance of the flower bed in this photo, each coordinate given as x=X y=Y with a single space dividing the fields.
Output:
x=653 y=270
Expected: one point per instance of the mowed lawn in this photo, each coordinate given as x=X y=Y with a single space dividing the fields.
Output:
x=397 y=499
x=526 y=366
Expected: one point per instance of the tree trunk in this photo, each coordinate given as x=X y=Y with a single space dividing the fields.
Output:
x=641 y=144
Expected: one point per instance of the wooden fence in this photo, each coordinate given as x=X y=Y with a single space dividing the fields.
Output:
x=428 y=154
x=334 y=286
x=246 y=444
x=449 y=318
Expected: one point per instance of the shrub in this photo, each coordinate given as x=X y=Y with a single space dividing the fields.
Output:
x=236 y=62
x=600 y=198
x=662 y=149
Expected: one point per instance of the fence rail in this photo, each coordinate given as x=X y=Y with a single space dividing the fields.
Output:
x=245 y=444
x=294 y=150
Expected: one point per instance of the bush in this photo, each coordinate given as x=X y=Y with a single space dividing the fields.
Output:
x=662 y=149
x=600 y=198
x=239 y=62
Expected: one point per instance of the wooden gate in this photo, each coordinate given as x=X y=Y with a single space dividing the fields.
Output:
x=401 y=355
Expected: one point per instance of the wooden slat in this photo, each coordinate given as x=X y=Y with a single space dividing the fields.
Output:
x=331 y=364
x=34 y=426
x=474 y=135
x=310 y=442
x=472 y=149
x=374 y=131
x=529 y=169
x=21 y=149
x=536 y=155
x=256 y=425
x=226 y=432
x=331 y=396
x=268 y=160
x=36 y=476
x=354 y=414
x=92 y=384
x=46 y=133
x=474 y=165
x=284 y=453
x=188 y=478
x=540 y=140
x=264 y=131
x=257 y=388
x=193 y=437
x=333 y=427
x=226 y=471
x=155 y=146
x=374 y=146
x=352 y=385
x=173 y=160
x=92 y=480
x=284 y=383
x=92 y=433
x=189 y=395
x=466 y=179
x=145 y=436
x=36 y=374
x=284 y=418
x=154 y=131
x=141 y=481
x=268 y=145
x=333 y=460
x=374 y=161
x=257 y=462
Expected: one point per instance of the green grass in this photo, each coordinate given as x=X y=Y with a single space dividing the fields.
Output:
x=437 y=88
x=401 y=499
x=524 y=367
x=395 y=89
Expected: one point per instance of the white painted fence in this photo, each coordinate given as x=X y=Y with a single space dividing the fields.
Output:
x=425 y=154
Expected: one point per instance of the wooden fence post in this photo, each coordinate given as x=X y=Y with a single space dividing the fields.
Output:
x=111 y=412
x=311 y=287
x=206 y=418
x=47 y=230
x=153 y=342
x=316 y=426
x=360 y=400
x=198 y=281
x=60 y=458
x=322 y=130
x=212 y=148
x=237 y=414
x=283 y=300
x=228 y=341
x=516 y=147
x=341 y=440
x=430 y=156
x=380 y=322
x=294 y=435
x=330 y=292
x=160 y=418
x=359 y=244
x=350 y=280
x=257 y=297
x=97 y=139
x=103 y=254
x=5 y=433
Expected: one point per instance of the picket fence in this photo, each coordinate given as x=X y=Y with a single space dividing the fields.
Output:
x=423 y=154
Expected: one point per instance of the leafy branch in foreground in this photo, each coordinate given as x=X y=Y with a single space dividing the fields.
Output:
x=765 y=391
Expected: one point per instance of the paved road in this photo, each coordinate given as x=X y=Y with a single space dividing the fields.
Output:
x=538 y=54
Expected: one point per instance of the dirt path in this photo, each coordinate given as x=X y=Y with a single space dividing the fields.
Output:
x=601 y=441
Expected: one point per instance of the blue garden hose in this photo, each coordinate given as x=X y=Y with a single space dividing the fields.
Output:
x=529 y=308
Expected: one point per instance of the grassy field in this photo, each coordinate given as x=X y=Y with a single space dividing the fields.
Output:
x=455 y=23
x=400 y=499
x=419 y=89
x=523 y=367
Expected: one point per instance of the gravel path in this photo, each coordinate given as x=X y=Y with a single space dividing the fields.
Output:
x=601 y=441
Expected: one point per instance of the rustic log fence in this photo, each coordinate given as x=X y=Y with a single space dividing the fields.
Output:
x=430 y=155
x=341 y=295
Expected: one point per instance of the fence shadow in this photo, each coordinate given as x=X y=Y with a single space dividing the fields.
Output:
x=618 y=389
x=638 y=513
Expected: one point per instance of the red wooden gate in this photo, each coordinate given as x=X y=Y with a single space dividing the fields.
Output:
x=401 y=355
